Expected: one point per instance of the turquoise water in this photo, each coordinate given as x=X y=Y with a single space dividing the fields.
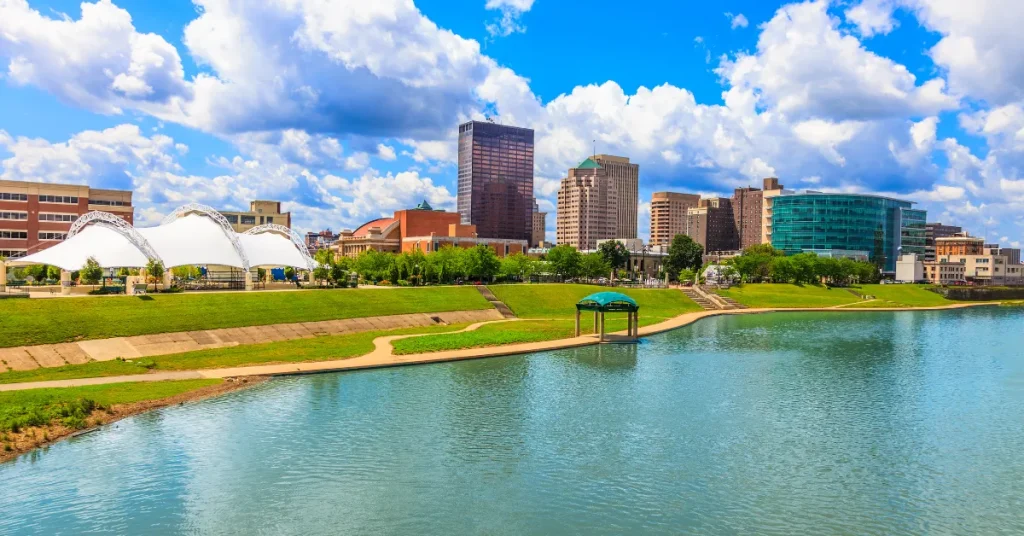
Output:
x=868 y=423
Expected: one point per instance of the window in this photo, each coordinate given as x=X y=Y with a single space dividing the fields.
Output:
x=47 y=235
x=17 y=235
x=64 y=200
x=13 y=215
x=261 y=220
x=248 y=220
x=4 y=196
x=45 y=216
x=107 y=202
x=232 y=218
x=270 y=219
x=11 y=253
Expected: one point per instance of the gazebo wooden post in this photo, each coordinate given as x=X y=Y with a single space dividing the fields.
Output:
x=577 y=321
x=596 y=322
x=601 y=337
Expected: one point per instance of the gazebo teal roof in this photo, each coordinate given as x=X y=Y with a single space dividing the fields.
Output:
x=608 y=302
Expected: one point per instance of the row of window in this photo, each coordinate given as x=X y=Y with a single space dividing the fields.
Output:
x=248 y=220
x=23 y=235
x=5 y=196
x=108 y=203
x=62 y=199
x=13 y=215
x=11 y=253
x=43 y=216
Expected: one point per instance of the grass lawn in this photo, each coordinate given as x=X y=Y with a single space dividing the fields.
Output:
x=491 y=335
x=901 y=296
x=45 y=321
x=37 y=407
x=559 y=301
x=293 y=351
x=770 y=295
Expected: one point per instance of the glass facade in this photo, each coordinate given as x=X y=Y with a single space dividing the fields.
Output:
x=880 y=227
x=496 y=179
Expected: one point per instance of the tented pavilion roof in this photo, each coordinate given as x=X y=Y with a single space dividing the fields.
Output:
x=191 y=235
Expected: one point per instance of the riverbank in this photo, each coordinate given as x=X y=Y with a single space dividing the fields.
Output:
x=21 y=439
x=383 y=354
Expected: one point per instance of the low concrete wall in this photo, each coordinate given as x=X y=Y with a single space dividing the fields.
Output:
x=982 y=293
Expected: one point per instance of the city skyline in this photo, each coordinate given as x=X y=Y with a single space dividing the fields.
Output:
x=158 y=106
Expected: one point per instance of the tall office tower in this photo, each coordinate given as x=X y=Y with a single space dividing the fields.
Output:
x=496 y=179
x=711 y=225
x=668 y=215
x=587 y=203
x=626 y=179
x=933 y=231
x=540 y=220
x=747 y=211
x=772 y=189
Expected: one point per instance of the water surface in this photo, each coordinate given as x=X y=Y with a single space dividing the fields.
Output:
x=867 y=423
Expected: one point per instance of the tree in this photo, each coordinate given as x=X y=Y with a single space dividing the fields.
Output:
x=446 y=263
x=683 y=254
x=91 y=273
x=289 y=273
x=518 y=266
x=594 y=265
x=614 y=253
x=687 y=276
x=154 y=270
x=565 y=261
x=782 y=270
x=324 y=261
x=804 y=271
x=52 y=272
x=481 y=262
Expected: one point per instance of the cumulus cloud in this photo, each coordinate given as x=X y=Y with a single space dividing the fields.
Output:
x=737 y=20
x=873 y=16
x=98 y=62
x=806 y=68
x=509 y=21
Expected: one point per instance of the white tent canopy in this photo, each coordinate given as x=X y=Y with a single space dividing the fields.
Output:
x=192 y=235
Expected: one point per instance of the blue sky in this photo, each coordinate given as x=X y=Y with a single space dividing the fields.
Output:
x=347 y=110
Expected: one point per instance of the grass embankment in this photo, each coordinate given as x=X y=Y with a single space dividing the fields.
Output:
x=773 y=295
x=323 y=348
x=47 y=321
x=38 y=416
x=555 y=305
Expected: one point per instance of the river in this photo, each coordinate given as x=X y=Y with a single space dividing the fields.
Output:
x=788 y=423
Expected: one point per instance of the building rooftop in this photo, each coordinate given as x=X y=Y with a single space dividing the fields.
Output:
x=589 y=164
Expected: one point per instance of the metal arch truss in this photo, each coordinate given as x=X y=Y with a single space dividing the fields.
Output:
x=117 y=224
x=296 y=239
x=213 y=214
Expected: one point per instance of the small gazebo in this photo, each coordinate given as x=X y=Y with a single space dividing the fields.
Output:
x=605 y=302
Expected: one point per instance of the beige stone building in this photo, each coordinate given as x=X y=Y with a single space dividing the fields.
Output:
x=626 y=179
x=587 y=207
x=540 y=220
x=260 y=212
x=668 y=215
x=979 y=264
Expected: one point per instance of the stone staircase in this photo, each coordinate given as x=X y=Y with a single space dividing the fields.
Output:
x=731 y=303
x=498 y=304
x=699 y=299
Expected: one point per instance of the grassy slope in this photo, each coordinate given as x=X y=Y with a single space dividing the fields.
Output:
x=27 y=322
x=294 y=351
x=41 y=406
x=783 y=295
x=901 y=296
x=554 y=301
x=559 y=301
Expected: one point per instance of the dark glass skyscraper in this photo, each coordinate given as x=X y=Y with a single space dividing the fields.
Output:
x=496 y=179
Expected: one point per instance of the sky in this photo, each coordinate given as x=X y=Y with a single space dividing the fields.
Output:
x=347 y=110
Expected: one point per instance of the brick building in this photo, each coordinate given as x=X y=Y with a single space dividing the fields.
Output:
x=668 y=215
x=35 y=216
x=712 y=225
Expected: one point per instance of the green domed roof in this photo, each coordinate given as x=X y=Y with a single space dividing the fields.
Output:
x=424 y=206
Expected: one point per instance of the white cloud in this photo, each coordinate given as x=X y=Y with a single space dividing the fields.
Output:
x=873 y=16
x=511 y=13
x=737 y=20
x=386 y=152
x=806 y=68
x=357 y=161
x=98 y=62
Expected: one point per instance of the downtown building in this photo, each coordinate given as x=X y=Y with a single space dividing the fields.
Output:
x=495 y=189
x=259 y=213
x=598 y=201
x=933 y=231
x=668 y=215
x=35 y=216
x=540 y=222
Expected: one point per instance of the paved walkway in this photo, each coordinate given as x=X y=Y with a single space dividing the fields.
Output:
x=57 y=355
x=382 y=355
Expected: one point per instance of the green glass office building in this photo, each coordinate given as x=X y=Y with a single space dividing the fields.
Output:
x=862 y=226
